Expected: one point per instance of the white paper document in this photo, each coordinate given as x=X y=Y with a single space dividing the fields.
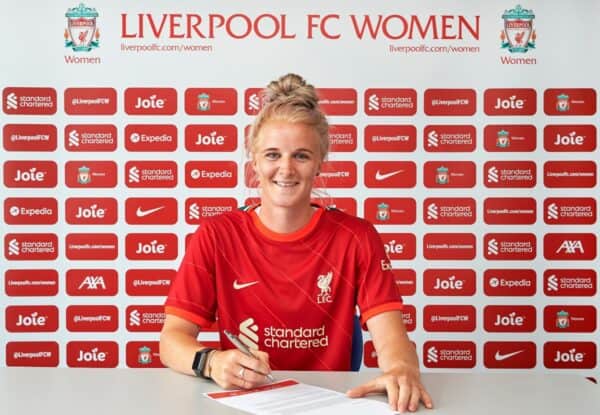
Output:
x=291 y=397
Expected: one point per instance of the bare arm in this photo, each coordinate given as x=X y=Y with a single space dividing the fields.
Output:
x=178 y=344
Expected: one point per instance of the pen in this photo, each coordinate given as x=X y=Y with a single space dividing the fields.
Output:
x=243 y=348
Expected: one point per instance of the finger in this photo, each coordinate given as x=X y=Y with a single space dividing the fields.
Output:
x=393 y=391
x=363 y=389
x=259 y=362
x=413 y=403
x=427 y=401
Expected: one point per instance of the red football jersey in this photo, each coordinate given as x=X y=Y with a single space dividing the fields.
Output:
x=294 y=295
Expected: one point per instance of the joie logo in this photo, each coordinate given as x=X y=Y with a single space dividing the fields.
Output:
x=151 y=246
x=570 y=355
x=449 y=282
x=30 y=174
x=399 y=245
x=570 y=246
x=449 y=354
x=514 y=318
x=249 y=333
x=91 y=211
x=510 y=101
x=570 y=138
x=92 y=354
x=570 y=210
x=150 y=101
x=396 y=102
x=31 y=318
x=211 y=137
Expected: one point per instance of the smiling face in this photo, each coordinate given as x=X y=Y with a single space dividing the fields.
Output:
x=286 y=159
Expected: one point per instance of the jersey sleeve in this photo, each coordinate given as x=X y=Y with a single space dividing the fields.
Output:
x=377 y=291
x=192 y=295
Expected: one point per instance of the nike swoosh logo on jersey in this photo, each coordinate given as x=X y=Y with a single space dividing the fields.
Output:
x=379 y=176
x=141 y=213
x=500 y=357
x=239 y=286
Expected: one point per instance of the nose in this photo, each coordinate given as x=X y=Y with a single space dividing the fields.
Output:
x=286 y=165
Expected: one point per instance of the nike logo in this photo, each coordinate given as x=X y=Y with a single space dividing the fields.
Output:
x=141 y=213
x=379 y=176
x=238 y=286
x=500 y=357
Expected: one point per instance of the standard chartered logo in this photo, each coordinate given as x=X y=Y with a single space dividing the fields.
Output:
x=194 y=211
x=553 y=211
x=134 y=175
x=374 y=102
x=135 y=318
x=13 y=247
x=492 y=175
x=552 y=283
x=248 y=333
x=432 y=211
x=432 y=139
x=74 y=138
x=254 y=102
x=11 y=101
x=492 y=247
x=432 y=355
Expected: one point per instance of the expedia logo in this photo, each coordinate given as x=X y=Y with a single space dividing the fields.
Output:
x=509 y=282
x=150 y=137
x=30 y=211
x=211 y=174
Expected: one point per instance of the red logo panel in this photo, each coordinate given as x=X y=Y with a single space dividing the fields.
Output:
x=570 y=174
x=452 y=318
x=509 y=318
x=150 y=101
x=92 y=282
x=452 y=246
x=30 y=246
x=29 y=137
x=253 y=101
x=570 y=318
x=92 y=354
x=30 y=174
x=406 y=281
x=338 y=101
x=449 y=282
x=390 y=210
x=38 y=354
x=509 y=210
x=29 y=101
x=150 y=137
x=370 y=355
x=390 y=138
x=399 y=245
x=570 y=355
x=31 y=282
x=570 y=282
x=513 y=101
x=82 y=318
x=509 y=174
x=342 y=138
x=336 y=174
x=149 y=282
x=344 y=204
x=509 y=138
x=570 y=137
x=151 y=246
x=151 y=210
x=31 y=318
x=92 y=246
x=509 y=246
x=390 y=174
x=509 y=282
x=449 y=211
x=449 y=138
x=570 y=101
x=198 y=209
x=90 y=101
x=450 y=102
x=211 y=137
x=509 y=355
x=210 y=101
x=449 y=354
x=409 y=317
x=30 y=211
x=211 y=174
x=90 y=137
x=145 y=317
x=139 y=174
x=394 y=102
x=449 y=174
x=81 y=174
x=570 y=210
x=570 y=246
x=146 y=354
x=91 y=211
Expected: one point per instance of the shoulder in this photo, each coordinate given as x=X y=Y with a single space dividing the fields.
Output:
x=223 y=221
x=346 y=222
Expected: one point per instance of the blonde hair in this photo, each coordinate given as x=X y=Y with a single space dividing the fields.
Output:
x=290 y=99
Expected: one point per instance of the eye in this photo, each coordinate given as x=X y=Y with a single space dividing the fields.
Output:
x=302 y=156
x=272 y=155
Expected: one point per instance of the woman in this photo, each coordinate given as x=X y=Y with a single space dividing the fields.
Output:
x=286 y=275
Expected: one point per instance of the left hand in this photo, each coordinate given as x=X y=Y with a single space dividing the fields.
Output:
x=403 y=386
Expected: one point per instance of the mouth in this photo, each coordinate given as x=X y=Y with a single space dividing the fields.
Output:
x=285 y=183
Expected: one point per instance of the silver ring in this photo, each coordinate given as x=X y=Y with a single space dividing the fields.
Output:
x=241 y=373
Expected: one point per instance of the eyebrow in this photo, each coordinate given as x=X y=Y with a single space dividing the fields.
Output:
x=277 y=149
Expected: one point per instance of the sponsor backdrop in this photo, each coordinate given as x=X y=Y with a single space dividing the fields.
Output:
x=466 y=133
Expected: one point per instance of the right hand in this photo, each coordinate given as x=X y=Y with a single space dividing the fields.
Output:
x=227 y=365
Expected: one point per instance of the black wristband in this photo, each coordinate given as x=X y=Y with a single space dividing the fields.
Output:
x=200 y=360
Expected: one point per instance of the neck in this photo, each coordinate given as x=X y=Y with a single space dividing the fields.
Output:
x=285 y=220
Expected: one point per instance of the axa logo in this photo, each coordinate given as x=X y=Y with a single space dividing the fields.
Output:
x=92 y=283
x=574 y=246
x=518 y=35
x=82 y=33
x=571 y=247
x=324 y=284
x=249 y=333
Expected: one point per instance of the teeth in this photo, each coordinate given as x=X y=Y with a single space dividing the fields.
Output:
x=285 y=184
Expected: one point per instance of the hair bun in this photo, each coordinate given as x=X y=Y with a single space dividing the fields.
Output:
x=291 y=89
